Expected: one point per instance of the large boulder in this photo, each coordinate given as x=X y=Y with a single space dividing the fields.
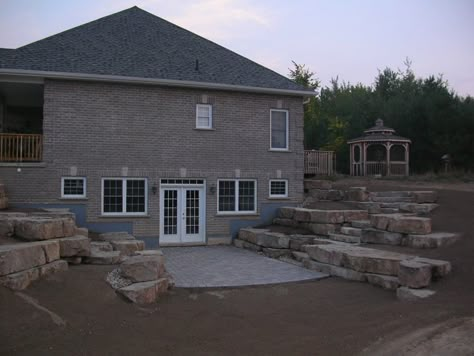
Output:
x=322 y=229
x=23 y=256
x=273 y=240
x=74 y=246
x=128 y=247
x=286 y=212
x=7 y=227
x=433 y=240
x=425 y=196
x=386 y=282
x=374 y=236
x=326 y=216
x=410 y=225
x=143 y=268
x=439 y=268
x=414 y=274
x=43 y=228
x=144 y=292
x=98 y=257
x=251 y=234
x=115 y=236
x=355 y=215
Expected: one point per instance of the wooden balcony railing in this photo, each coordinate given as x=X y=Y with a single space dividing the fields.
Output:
x=319 y=162
x=21 y=147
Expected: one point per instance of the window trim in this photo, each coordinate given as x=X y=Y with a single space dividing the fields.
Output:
x=209 y=127
x=74 y=196
x=124 y=197
x=270 y=195
x=287 y=148
x=237 y=212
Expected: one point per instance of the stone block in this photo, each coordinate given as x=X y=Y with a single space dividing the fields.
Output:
x=7 y=227
x=286 y=212
x=411 y=295
x=53 y=267
x=381 y=221
x=81 y=231
x=317 y=184
x=374 y=236
x=23 y=256
x=352 y=215
x=69 y=227
x=325 y=254
x=299 y=256
x=356 y=195
x=98 y=257
x=74 y=246
x=286 y=222
x=371 y=207
x=421 y=209
x=392 y=199
x=143 y=268
x=392 y=194
x=273 y=240
x=344 y=238
x=316 y=266
x=302 y=215
x=322 y=229
x=114 y=236
x=425 y=196
x=20 y=280
x=128 y=247
x=247 y=245
x=334 y=195
x=361 y=224
x=76 y=260
x=439 y=268
x=414 y=274
x=276 y=252
x=386 y=282
x=3 y=203
x=353 y=231
x=347 y=273
x=250 y=234
x=144 y=292
x=410 y=225
x=101 y=246
x=36 y=229
x=433 y=240
x=298 y=241
x=326 y=216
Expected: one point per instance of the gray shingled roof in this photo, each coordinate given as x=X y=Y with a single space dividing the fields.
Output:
x=135 y=43
x=379 y=137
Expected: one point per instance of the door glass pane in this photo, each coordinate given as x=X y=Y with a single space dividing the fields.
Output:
x=170 y=212
x=246 y=195
x=192 y=211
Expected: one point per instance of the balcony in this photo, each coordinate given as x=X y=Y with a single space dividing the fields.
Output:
x=21 y=148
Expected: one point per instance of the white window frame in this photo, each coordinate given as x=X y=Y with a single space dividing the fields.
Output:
x=287 y=130
x=124 y=197
x=277 y=195
x=198 y=106
x=237 y=211
x=74 y=196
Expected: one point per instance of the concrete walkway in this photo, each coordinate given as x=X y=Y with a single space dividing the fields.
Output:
x=227 y=266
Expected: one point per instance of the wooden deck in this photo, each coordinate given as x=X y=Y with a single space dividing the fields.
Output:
x=320 y=162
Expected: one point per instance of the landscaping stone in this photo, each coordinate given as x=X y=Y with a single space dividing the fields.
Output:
x=74 y=246
x=3 y=203
x=410 y=225
x=299 y=256
x=360 y=224
x=411 y=295
x=81 y=231
x=76 y=260
x=345 y=238
x=298 y=241
x=36 y=229
x=439 y=268
x=425 y=196
x=144 y=292
x=149 y=253
x=128 y=247
x=371 y=207
x=335 y=270
x=381 y=221
x=414 y=274
x=352 y=215
x=379 y=199
x=7 y=227
x=101 y=246
x=386 y=282
x=389 y=210
x=422 y=209
x=356 y=194
x=302 y=215
x=53 y=267
x=250 y=234
x=321 y=229
x=143 y=268
x=326 y=216
x=285 y=222
x=114 y=236
x=23 y=256
x=286 y=212
x=98 y=257
x=247 y=245
x=433 y=240
x=353 y=231
x=276 y=252
x=273 y=240
x=374 y=236
x=323 y=255
x=334 y=195
x=392 y=194
x=317 y=184
x=316 y=266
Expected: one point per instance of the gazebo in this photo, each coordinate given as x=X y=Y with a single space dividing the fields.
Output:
x=379 y=152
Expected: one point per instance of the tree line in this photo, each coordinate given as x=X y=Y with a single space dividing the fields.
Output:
x=425 y=110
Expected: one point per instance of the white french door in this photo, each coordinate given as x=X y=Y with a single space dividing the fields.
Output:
x=182 y=212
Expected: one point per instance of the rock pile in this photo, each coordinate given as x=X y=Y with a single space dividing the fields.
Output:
x=112 y=247
x=141 y=278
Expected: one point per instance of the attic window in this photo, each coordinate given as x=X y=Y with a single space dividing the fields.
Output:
x=203 y=116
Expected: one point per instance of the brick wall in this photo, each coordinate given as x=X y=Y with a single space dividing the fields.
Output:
x=109 y=130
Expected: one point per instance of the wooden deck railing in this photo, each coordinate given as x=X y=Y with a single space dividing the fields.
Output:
x=21 y=147
x=319 y=162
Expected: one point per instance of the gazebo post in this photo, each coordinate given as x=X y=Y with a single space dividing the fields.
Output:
x=364 y=146
x=407 y=159
x=388 y=145
x=351 y=160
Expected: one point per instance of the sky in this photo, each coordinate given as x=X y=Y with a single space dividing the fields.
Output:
x=348 y=39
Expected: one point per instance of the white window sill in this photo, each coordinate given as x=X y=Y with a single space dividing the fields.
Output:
x=278 y=198
x=124 y=216
x=74 y=198
x=204 y=129
x=279 y=150
x=232 y=213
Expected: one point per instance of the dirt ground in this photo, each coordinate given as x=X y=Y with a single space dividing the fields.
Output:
x=76 y=313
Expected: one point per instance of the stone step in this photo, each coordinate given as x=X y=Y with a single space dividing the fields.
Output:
x=392 y=194
x=386 y=282
x=38 y=228
x=299 y=256
x=103 y=257
x=381 y=237
x=22 y=256
x=128 y=247
x=348 y=230
x=101 y=246
x=115 y=236
x=361 y=224
x=422 y=209
x=317 y=216
x=345 y=238
x=406 y=224
x=144 y=292
x=74 y=246
x=433 y=240
x=378 y=199
x=265 y=238
x=389 y=210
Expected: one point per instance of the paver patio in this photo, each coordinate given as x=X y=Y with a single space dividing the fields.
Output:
x=227 y=266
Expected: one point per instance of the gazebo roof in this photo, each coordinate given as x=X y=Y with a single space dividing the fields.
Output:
x=379 y=133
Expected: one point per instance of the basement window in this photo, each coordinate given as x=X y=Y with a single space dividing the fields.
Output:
x=278 y=188
x=73 y=187
x=124 y=196
x=237 y=196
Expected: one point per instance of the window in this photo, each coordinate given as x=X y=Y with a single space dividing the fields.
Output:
x=279 y=130
x=237 y=196
x=203 y=116
x=124 y=196
x=278 y=188
x=73 y=187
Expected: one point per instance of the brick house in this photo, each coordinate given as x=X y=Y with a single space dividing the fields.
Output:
x=138 y=125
